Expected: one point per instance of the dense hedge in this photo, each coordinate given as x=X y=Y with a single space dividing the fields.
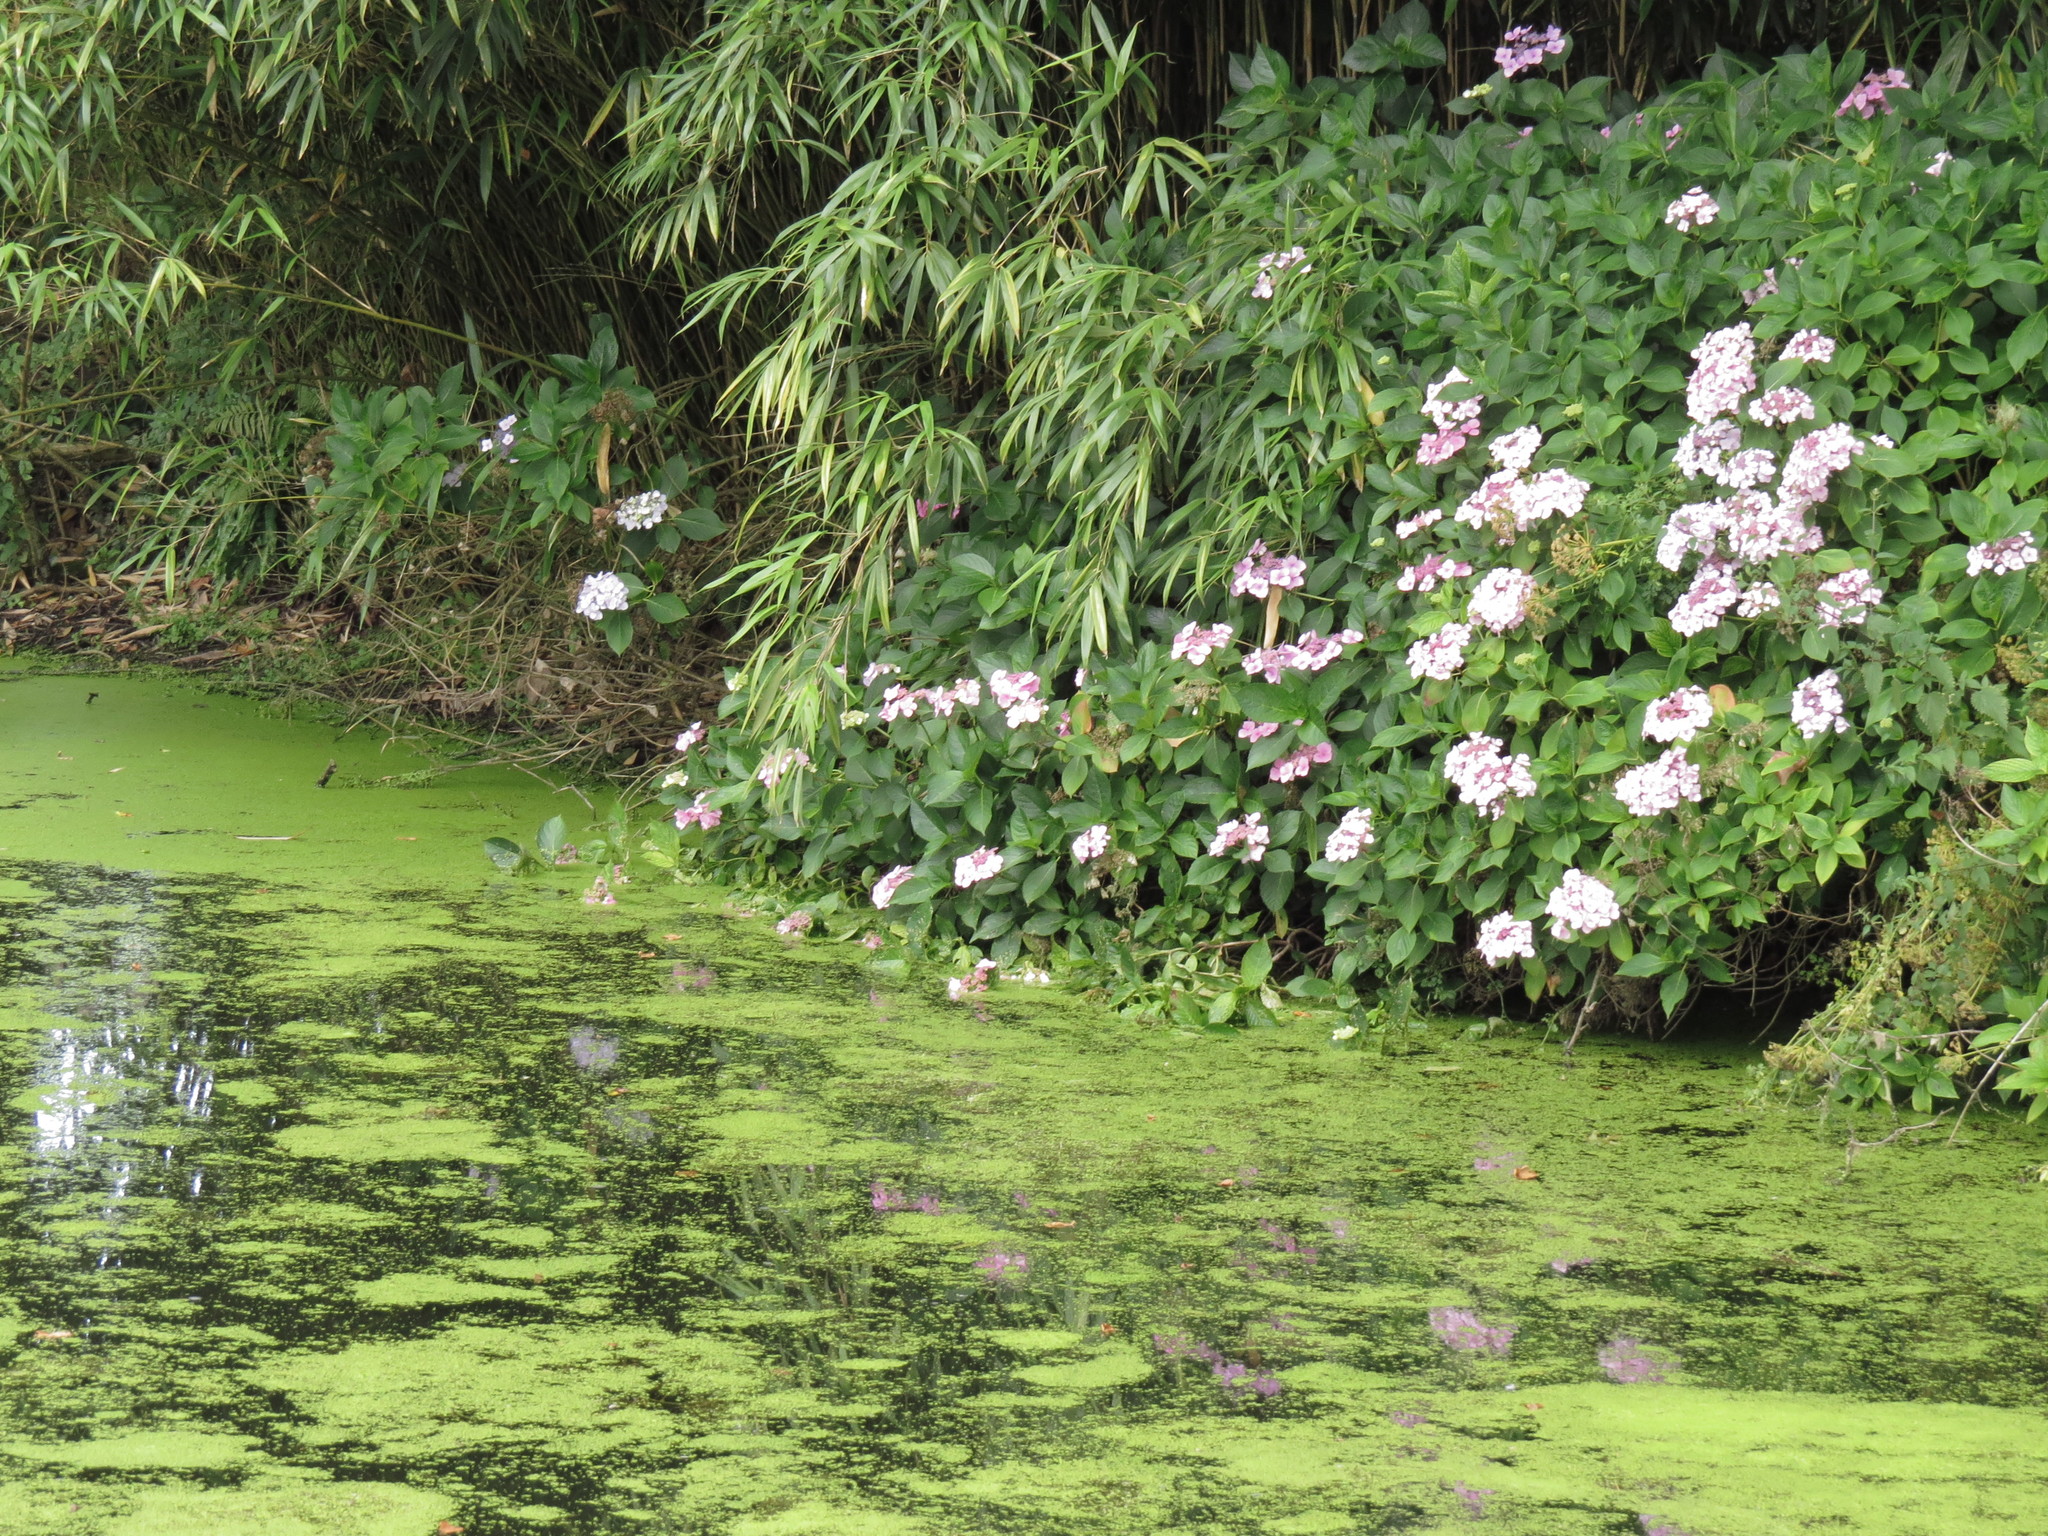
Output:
x=1567 y=265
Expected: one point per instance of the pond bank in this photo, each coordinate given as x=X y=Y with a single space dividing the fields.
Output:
x=354 y=1187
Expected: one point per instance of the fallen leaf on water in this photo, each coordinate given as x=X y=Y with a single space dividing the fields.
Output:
x=1532 y=1407
x=117 y=770
x=1108 y=1329
x=643 y=954
x=412 y=840
x=449 y=1528
x=671 y=937
x=1151 y=1117
x=688 y=1173
x=615 y=1092
x=52 y=1333
x=1526 y=1172
x=1226 y=1183
x=124 y=813
x=1057 y=1226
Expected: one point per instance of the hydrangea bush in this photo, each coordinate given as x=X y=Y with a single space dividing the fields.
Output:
x=1637 y=515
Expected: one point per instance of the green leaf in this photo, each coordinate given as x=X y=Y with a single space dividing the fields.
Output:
x=1037 y=882
x=2013 y=770
x=504 y=853
x=666 y=608
x=553 y=835
x=618 y=632
x=697 y=521
x=1257 y=964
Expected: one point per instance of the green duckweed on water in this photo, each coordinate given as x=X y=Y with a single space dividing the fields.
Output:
x=354 y=1188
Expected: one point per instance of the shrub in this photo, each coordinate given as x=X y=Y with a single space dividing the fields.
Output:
x=1709 y=707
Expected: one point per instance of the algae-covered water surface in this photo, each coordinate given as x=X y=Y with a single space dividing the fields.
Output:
x=354 y=1187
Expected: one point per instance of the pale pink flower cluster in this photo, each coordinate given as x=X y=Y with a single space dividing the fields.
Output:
x=1408 y=527
x=1308 y=652
x=1442 y=654
x=1501 y=600
x=974 y=981
x=1679 y=716
x=1817 y=706
x=1296 y=764
x=1352 y=837
x=1250 y=833
x=1867 y=98
x=1705 y=449
x=876 y=670
x=899 y=703
x=1485 y=775
x=1580 y=905
x=1433 y=569
x=1195 y=645
x=1781 y=407
x=1758 y=599
x=1726 y=372
x=776 y=765
x=1523 y=48
x=1809 y=347
x=1017 y=693
x=1092 y=844
x=1659 y=786
x=2003 y=557
x=1847 y=598
x=690 y=737
x=698 y=814
x=1706 y=602
x=1507 y=496
x=1502 y=938
x=1694 y=210
x=795 y=926
x=973 y=868
x=944 y=700
x=886 y=888
x=1812 y=460
x=1939 y=163
x=1515 y=450
x=1763 y=290
x=1457 y=421
x=1256 y=730
x=1272 y=264
x=1261 y=570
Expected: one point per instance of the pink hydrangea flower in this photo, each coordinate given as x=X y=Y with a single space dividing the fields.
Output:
x=1758 y=599
x=1502 y=938
x=1195 y=644
x=1867 y=99
x=899 y=703
x=1296 y=764
x=1501 y=600
x=1707 y=601
x=1759 y=529
x=2003 y=557
x=972 y=868
x=1939 y=163
x=1580 y=905
x=1817 y=706
x=1256 y=730
x=1812 y=460
x=1523 y=48
x=1434 y=568
x=1704 y=449
x=1312 y=652
x=1748 y=469
x=1515 y=450
x=1809 y=347
x=698 y=814
x=690 y=737
x=1261 y=570
x=1694 y=210
x=1485 y=775
x=1441 y=655
x=1781 y=407
x=1846 y=598
x=876 y=670
x=974 y=981
x=1493 y=498
x=1352 y=837
x=1249 y=834
x=1763 y=290
x=1013 y=688
x=1659 y=786
x=1457 y=421
x=1726 y=372
x=1092 y=844
x=1410 y=526
x=1266 y=661
x=886 y=888
x=1679 y=716
x=1553 y=493
x=776 y=765
x=1272 y=264
x=1024 y=712
x=795 y=926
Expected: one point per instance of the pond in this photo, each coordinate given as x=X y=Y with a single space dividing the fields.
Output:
x=353 y=1186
